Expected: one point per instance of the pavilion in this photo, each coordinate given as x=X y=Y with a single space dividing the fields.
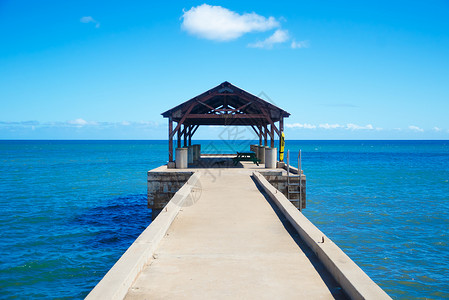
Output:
x=225 y=105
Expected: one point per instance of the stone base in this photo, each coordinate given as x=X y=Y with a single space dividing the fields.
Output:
x=280 y=164
x=279 y=181
x=162 y=186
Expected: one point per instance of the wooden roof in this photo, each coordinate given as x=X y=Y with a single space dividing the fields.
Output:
x=226 y=104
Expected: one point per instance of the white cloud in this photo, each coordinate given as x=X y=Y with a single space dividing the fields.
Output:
x=299 y=125
x=279 y=36
x=358 y=127
x=437 y=129
x=80 y=122
x=300 y=44
x=349 y=126
x=221 y=24
x=415 y=128
x=330 y=126
x=89 y=19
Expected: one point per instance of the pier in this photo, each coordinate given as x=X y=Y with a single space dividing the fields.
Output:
x=228 y=233
x=230 y=226
x=231 y=244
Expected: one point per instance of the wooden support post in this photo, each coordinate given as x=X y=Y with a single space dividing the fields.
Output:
x=170 y=139
x=260 y=135
x=184 y=133
x=189 y=135
x=179 y=135
x=265 y=135
x=281 y=130
x=272 y=136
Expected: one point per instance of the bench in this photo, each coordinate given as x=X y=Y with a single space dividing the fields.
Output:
x=246 y=156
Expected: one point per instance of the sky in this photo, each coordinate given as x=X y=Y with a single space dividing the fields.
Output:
x=108 y=69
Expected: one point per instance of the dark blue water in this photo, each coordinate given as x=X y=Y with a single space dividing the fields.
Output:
x=69 y=209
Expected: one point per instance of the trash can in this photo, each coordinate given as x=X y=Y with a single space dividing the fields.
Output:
x=181 y=158
x=270 y=158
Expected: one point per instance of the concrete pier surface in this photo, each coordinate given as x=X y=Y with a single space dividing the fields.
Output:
x=232 y=244
x=228 y=233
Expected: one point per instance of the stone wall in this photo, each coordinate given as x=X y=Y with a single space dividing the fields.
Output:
x=162 y=186
x=278 y=179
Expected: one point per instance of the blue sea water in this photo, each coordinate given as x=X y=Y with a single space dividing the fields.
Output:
x=69 y=209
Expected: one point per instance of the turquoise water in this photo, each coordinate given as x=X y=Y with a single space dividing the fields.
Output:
x=69 y=209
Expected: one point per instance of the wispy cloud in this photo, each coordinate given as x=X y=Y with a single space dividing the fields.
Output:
x=82 y=129
x=330 y=126
x=327 y=126
x=89 y=19
x=279 y=36
x=221 y=24
x=19 y=123
x=358 y=127
x=355 y=127
x=300 y=44
x=78 y=123
x=415 y=128
x=299 y=125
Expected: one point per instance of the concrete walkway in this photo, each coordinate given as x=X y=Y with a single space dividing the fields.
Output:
x=232 y=244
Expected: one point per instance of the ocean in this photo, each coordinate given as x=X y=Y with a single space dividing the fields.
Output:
x=70 y=209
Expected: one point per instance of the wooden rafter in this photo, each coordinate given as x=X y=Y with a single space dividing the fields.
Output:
x=267 y=116
x=184 y=117
x=194 y=130
x=222 y=116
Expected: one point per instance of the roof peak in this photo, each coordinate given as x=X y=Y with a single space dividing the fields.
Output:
x=225 y=89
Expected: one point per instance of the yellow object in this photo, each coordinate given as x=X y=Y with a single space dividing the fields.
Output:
x=281 y=150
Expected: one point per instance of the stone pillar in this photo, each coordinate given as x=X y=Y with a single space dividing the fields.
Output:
x=270 y=158
x=181 y=158
x=261 y=154
x=190 y=154
x=196 y=152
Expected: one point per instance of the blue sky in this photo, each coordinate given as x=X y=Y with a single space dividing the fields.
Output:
x=107 y=69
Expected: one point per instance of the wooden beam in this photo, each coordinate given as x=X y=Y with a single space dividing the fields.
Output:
x=243 y=106
x=184 y=133
x=221 y=116
x=184 y=117
x=281 y=130
x=179 y=136
x=170 y=139
x=255 y=130
x=265 y=135
x=267 y=116
x=189 y=135
x=208 y=106
x=194 y=130
x=260 y=134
